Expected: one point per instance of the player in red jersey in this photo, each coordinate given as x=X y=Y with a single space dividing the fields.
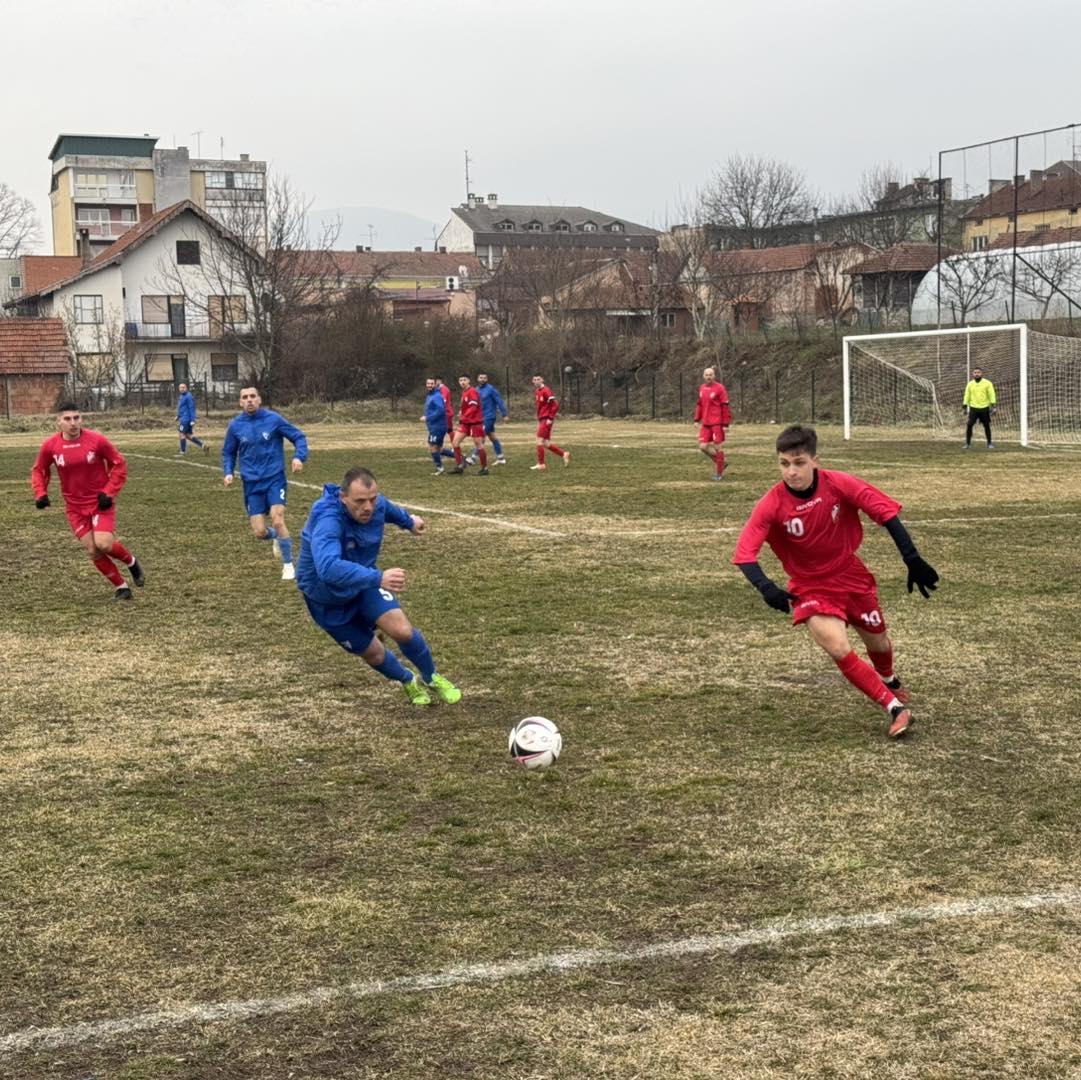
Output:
x=811 y=520
x=547 y=409
x=445 y=391
x=92 y=471
x=470 y=425
x=713 y=413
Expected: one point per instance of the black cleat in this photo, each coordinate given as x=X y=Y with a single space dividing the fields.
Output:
x=137 y=575
x=482 y=472
x=123 y=592
x=901 y=721
x=458 y=470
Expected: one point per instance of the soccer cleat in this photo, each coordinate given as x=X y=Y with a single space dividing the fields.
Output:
x=123 y=592
x=206 y=448
x=445 y=690
x=415 y=692
x=898 y=691
x=501 y=461
x=458 y=470
x=137 y=574
x=471 y=460
x=966 y=446
x=439 y=471
x=901 y=720
x=541 y=467
x=717 y=476
x=277 y=549
x=289 y=572
x=482 y=472
x=990 y=446
x=566 y=458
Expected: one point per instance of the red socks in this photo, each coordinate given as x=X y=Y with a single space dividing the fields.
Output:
x=540 y=455
x=483 y=455
x=719 y=459
x=118 y=551
x=106 y=566
x=555 y=450
x=458 y=459
x=883 y=662
x=863 y=677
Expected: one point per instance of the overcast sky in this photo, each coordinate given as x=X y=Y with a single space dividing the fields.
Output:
x=619 y=105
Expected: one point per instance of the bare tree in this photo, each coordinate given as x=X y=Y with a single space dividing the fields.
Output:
x=752 y=200
x=834 y=286
x=1050 y=273
x=692 y=244
x=969 y=282
x=19 y=226
x=745 y=290
x=99 y=349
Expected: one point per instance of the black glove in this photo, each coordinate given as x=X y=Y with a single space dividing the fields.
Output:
x=778 y=598
x=42 y=502
x=923 y=575
x=104 y=501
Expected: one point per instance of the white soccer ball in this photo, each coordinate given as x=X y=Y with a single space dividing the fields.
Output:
x=535 y=742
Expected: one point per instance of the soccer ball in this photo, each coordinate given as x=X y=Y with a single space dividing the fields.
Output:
x=534 y=742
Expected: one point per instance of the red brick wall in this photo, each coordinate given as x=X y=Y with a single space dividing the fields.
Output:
x=30 y=394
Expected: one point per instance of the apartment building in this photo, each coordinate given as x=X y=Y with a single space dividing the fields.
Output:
x=103 y=185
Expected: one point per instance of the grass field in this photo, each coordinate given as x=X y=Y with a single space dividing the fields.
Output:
x=204 y=802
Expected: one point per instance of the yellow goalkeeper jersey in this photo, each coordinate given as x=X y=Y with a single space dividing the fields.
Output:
x=979 y=395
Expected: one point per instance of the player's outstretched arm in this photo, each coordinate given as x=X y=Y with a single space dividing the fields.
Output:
x=921 y=574
x=779 y=599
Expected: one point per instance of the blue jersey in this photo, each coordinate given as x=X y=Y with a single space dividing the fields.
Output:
x=338 y=554
x=490 y=401
x=258 y=440
x=185 y=408
x=435 y=413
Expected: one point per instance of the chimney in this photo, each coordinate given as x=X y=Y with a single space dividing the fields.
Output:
x=442 y=251
x=946 y=186
x=1019 y=180
x=892 y=187
x=418 y=249
x=493 y=200
x=359 y=247
x=245 y=157
x=84 y=245
x=996 y=185
x=1036 y=181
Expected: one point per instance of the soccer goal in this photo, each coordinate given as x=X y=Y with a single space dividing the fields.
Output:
x=917 y=380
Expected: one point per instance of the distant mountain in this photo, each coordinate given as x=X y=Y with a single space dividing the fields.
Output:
x=390 y=230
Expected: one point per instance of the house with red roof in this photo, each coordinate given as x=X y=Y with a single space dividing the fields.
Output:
x=35 y=361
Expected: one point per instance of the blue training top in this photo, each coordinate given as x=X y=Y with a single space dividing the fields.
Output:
x=338 y=553
x=435 y=413
x=185 y=408
x=490 y=401
x=258 y=440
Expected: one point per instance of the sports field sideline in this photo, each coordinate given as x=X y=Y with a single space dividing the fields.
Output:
x=231 y=850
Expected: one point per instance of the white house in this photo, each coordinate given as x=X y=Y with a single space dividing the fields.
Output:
x=162 y=305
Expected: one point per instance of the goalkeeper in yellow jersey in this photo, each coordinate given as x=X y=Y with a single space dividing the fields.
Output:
x=980 y=402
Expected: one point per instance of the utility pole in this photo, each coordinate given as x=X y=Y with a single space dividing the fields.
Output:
x=371 y=235
x=467 y=188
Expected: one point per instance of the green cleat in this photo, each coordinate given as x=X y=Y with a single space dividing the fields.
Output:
x=445 y=690
x=416 y=693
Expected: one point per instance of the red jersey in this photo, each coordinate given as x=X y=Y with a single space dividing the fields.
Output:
x=469 y=408
x=86 y=465
x=547 y=403
x=712 y=407
x=816 y=537
x=445 y=391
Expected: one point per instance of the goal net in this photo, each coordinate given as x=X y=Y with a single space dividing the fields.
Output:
x=917 y=380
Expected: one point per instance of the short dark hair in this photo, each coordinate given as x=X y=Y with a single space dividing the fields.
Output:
x=67 y=406
x=358 y=472
x=798 y=437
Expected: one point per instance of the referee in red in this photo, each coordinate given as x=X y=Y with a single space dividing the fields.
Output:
x=92 y=471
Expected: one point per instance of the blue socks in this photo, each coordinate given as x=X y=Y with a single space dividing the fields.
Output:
x=497 y=446
x=447 y=453
x=437 y=457
x=419 y=654
x=287 y=549
x=196 y=442
x=183 y=447
x=391 y=668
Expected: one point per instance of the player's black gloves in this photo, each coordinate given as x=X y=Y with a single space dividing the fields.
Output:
x=777 y=597
x=42 y=502
x=922 y=575
x=104 y=501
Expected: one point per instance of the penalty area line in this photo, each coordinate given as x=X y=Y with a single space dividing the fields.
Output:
x=499 y=523
x=771 y=933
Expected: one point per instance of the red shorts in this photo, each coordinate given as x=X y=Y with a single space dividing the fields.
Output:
x=472 y=431
x=544 y=429
x=711 y=433
x=858 y=608
x=95 y=520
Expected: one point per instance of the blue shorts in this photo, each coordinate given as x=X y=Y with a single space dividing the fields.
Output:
x=261 y=495
x=436 y=441
x=186 y=429
x=353 y=627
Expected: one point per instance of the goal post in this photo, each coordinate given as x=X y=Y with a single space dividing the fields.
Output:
x=917 y=380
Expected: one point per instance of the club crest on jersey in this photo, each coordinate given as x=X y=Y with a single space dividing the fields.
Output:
x=90 y=457
x=835 y=513
x=266 y=434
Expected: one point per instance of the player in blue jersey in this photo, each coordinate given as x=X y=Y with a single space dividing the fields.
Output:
x=435 y=416
x=350 y=597
x=491 y=403
x=185 y=420
x=257 y=435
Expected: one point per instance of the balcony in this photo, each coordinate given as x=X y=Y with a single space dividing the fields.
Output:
x=104 y=230
x=109 y=192
x=189 y=329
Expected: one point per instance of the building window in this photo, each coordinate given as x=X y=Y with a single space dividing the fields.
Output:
x=505 y=226
x=224 y=367
x=534 y=226
x=560 y=226
x=226 y=311
x=979 y=243
x=15 y=282
x=668 y=320
x=155 y=309
x=589 y=226
x=159 y=367
x=89 y=309
x=187 y=253
x=1042 y=227
x=616 y=226
x=248 y=180
x=219 y=179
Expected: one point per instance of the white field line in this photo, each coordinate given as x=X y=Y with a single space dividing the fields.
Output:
x=497 y=522
x=547 y=964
